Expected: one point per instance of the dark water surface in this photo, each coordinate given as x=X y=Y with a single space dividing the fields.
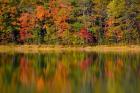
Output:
x=70 y=72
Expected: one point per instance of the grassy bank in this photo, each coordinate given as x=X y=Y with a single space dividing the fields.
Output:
x=46 y=48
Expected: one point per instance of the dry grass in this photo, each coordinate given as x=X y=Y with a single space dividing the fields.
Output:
x=46 y=48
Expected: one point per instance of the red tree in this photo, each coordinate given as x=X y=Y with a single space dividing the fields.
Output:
x=84 y=34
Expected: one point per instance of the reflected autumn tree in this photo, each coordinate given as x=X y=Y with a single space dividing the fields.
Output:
x=28 y=74
x=88 y=61
x=114 y=69
x=26 y=71
x=68 y=73
x=60 y=82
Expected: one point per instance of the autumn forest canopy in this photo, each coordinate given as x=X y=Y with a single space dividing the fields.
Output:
x=70 y=22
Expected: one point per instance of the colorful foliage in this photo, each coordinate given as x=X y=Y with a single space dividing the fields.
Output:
x=66 y=21
x=26 y=23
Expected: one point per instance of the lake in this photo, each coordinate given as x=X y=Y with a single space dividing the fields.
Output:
x=70 y=72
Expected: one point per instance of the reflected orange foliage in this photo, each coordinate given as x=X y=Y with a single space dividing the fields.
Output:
x=119 y=66
x=40 y=84
x=109 y=69
x=113 y=70
x=85 y=64
x=25 y=72
x=60 y=82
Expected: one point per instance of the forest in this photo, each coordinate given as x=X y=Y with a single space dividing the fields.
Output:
x=70 y=22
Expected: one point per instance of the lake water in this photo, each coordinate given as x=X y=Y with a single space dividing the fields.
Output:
x=70 y=72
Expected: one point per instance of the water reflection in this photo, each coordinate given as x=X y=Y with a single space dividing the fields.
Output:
x=69 y=72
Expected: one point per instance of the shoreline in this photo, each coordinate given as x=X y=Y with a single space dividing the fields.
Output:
x=46 y=48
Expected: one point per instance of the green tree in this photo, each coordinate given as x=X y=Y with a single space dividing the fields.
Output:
x=99 y=16
x=8 y=22
x=120 y=26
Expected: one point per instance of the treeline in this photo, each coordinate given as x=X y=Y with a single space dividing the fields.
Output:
x=70 y=22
